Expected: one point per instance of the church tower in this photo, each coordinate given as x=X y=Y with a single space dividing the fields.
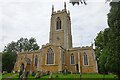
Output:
x=60 y=28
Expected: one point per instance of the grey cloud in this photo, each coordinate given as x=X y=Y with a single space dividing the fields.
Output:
x=31 y=18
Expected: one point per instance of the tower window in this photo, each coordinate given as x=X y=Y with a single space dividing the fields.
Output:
x=72 y=61
x=50 y=57
x=58 y=24
x=85 y=59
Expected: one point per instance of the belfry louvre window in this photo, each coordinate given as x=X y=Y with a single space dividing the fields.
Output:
x=50 y=56
x=72 y=59
x=85 y=59
x=58 y=23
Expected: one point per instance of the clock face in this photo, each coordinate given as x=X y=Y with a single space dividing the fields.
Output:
x=58 y=38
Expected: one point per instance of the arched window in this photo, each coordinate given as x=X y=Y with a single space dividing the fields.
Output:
x=36 y=60
x=85 y=59
x=72 y=59
x=50 y=56
x=58 y=24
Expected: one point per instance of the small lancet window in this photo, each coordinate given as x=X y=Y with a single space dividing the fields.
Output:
x=58 y=23
x=72 y=59
x=85 y=59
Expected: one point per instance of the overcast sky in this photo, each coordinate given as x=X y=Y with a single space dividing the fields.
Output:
x=31 y=18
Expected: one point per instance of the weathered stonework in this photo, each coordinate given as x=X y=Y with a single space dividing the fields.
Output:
x=60 y=42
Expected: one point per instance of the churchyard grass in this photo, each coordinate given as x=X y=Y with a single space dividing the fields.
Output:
x=7 y=75
x=0 y=76
x=78 y=76
x=65 y=76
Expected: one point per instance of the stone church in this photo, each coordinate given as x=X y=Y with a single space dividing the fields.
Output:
x=59 y=54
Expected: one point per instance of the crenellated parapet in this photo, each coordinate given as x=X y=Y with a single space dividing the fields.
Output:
x=60 y=11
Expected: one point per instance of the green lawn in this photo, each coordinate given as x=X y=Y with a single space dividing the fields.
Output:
x=65 y=76
x=0 y=76
x=6 y=75
x=78 y=76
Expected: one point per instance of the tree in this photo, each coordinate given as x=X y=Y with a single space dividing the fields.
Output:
x=7 y=62
x=113 y=60
x=103 y=60
x=32 y=45
x=101 y=50
x=99 y=44
x=109 y=58
x=22 y=44
x=78 y=1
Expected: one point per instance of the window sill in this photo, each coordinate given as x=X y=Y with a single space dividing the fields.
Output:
x=72 y=64
x=85 y=65
x=49 y=64
x=58 y=29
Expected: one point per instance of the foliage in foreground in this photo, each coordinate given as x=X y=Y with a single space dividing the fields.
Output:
x=108 y=43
